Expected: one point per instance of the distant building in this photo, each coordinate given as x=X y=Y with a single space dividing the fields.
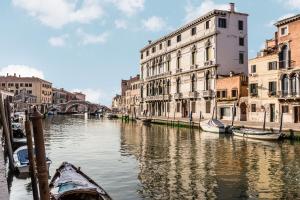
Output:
x=179 y=70
x=232 y=96
x=117 y=103
x=79 y=96
x=40 y=88
x=59 y=96
x=274 y=75
x=23 y=100
x=132 y=96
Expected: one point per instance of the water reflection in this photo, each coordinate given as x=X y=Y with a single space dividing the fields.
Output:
x=133 y=161
x=186 y=164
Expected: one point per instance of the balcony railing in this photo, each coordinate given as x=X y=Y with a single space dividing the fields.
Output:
x=159 y=75
x=194 y=67
x=178 y=70
x=207 y=94
x=178 y=95
x=253 y=94
x=286 y=64
x=209 y=63
x=272 y=93
x=193 y=94
x=165 y=97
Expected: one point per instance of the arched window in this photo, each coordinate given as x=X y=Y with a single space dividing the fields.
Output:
x=285 y=85
x=168 y=63
x=168 y=86
x=178 y=59
x=193 y=83
x=293 y=84
x=284 y=59
x=178 y=85
x=193 y=55
x=207 y=80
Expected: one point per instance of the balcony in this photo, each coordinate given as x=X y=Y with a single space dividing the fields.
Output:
x=193 y=95
x=286 y=64
x=194 y=67
x=253 y=94
x=209 y=63
x=272 y=93
x=166 y=97
x=178 y=95
x=286 y=95
x=208 y=94
x=158 y=75
x=178 y=70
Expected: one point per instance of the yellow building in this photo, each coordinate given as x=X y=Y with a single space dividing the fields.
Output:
x=32 y=85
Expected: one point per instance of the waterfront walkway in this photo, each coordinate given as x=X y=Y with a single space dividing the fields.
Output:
x=3 y=182
x=286 y=126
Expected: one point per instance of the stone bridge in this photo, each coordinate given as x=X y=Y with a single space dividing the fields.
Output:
x=67 y=107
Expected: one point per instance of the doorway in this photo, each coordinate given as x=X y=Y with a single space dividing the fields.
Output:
x=272 y=112
x=243 y=114
x=185 y=111
x=297 y=114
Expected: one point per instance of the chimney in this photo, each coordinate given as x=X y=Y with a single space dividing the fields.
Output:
x=231 y=7
x=19 y=76
x=149 y=41
x=15 y=75
x=6 y=74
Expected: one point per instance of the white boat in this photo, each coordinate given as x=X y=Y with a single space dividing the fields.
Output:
x=70 y=183
x=214 y=126
x=21 y=162
x=256 y=134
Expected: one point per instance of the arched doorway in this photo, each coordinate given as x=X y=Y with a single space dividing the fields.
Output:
x=243 y=112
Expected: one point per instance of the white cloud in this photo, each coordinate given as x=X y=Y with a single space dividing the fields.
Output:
x=57 y=13
x=129 y=7
x=58 y=41
x=271 y=23
x=154 y=23
x=23 y=70
x=92 y=95
x=194 y=11
x=293 y=4
x=120 y=24
x=86 y=38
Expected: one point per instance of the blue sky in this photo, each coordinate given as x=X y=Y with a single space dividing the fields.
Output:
x=90 y=45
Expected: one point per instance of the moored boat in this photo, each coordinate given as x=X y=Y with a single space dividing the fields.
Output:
x=214 y=126
x=256 y=134
x=21 y=161
x=146 y=121
x=70 y=183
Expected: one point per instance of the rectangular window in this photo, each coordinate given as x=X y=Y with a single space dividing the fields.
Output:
x=253 y=68
x=253 y=89
x=153 y=49
x=241 y=41
x=241 y=25
x=285 y=109
x=193 y=107
x=141 y=55
x=194 y=31
x=193 y=58
x=224 y=94
x=3 y=84
x=222 y=23
x=26 y=84
x=30 y=84
x=160 y=46
x=218 y=94
x=234 y=93
x=207 y=24
x=284 y=31
x=253 y=107
x=147 y=53
x=178 y=38
x=207 y=106
x=241 y=58
x=178 y=107
x=272 y=65
x=272 y=88
x=169 y=43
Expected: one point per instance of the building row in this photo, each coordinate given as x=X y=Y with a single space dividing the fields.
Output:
x=203 y=67
x=36 y=91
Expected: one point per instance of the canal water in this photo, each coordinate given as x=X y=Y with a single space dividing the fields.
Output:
x=132 y=161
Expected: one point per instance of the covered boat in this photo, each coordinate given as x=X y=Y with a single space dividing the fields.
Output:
x=214 y=126
x=69 y=183
x=21 y=161
x=19 y=137
x=256 y=134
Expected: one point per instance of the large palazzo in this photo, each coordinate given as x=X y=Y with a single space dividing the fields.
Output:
x=179 y=70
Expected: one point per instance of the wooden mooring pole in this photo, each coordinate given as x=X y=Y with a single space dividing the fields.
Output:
x=8 y=142
x=265 y=115
x=32 y=167
x=200 y=116
x=42 y=168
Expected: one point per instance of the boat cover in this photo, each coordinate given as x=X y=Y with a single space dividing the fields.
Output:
x=69 y=179
x=23 y=156
x=215 y=123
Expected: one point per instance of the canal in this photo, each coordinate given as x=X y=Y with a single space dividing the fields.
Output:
x=133 y=161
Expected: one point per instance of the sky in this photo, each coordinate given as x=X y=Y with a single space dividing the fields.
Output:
x=90 y=45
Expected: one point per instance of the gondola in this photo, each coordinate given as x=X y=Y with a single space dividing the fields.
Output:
x=69 y=183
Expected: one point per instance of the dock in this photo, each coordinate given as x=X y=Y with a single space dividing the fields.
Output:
x=3 y=181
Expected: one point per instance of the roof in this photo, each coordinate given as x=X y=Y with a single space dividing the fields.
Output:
x=190 y=24
x=287 y=20
x=24 y=79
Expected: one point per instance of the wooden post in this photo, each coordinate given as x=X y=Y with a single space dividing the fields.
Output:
x=7 y=134
x=168 y=119
x=42 y=168
x=32 y=167
x=212 y=117
x=233 y=114
x=281 y=122
x=265 y=114
x=8 y=118
x=200 y=115
x=174 y=119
